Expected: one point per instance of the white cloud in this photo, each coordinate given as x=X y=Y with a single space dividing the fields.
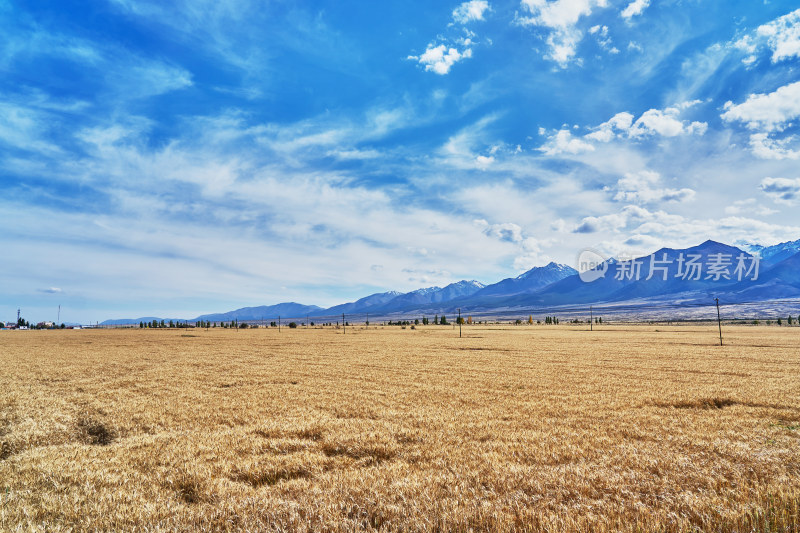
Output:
x=561 y=17
x=507 y=231
x=462 y=149
x=635 y=8
x=559 y=13
x=749 y=206
x=51 y=290
x=602 y=30
x=563 y=142
x=643 y=188
x=782 y=190
x=531 y=255
x=767 y=112
x=635 y=47
x=483 y=162
x=765 y=147
x=605 y=42
x=782 y=36
x=630 y=214
x=619 y=123
x=665 y=123
x=469 y=11
x=440 y=59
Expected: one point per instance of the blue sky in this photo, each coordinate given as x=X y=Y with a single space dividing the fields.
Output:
x=178 y=158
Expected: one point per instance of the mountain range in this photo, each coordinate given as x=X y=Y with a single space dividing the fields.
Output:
x=698 y=274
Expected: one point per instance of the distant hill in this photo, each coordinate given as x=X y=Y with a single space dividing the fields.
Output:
x=363 y=305
x=263 y=312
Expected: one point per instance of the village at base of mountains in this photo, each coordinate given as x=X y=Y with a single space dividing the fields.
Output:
x=690 y=276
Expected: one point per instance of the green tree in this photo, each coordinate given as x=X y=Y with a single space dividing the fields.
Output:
x=435 y=319
x=780 y=322
x=443 y=321
x=141 y=325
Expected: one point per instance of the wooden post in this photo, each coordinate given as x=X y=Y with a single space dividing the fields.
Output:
x=279 y=323
x=344 y=327
x=591 y=319
x=719 y=322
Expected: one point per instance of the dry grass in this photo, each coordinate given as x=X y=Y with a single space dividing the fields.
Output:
x=517 y=428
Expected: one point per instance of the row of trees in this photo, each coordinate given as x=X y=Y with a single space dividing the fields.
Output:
x=155 y=324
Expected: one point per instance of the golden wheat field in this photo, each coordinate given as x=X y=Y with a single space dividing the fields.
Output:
x=530 y=428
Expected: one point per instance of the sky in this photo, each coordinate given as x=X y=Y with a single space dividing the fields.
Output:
x=178 y=158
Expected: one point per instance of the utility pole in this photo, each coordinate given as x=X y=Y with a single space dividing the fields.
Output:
x=719 y=322
x=58 y=321
x=306 y=321
x=344 y=326
x=279 y=323
x=459 y=322
x=591 y=319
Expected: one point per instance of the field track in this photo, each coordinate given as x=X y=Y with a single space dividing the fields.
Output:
x=526 y=428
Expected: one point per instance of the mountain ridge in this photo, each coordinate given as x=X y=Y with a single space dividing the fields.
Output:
x=666 y=274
